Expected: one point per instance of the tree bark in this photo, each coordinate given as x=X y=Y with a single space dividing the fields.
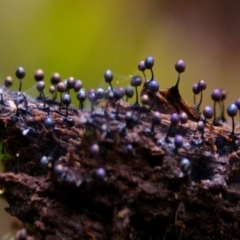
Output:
x=145 y=192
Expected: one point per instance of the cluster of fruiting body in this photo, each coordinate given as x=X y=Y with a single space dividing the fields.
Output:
x=116 y=117
x=159 y=133
x=198 y=88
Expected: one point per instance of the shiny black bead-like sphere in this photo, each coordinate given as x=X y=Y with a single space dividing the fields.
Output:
x=129 y=119
x=237 y=103
x=48 y=123
x=129 y=91
x=200 y=126
x=149 y=62
x=153 y=86
x=108 y=76
x=129 y=148
x=59 y=170
x=70 y=83
x=81 y=95
x=118 y=93
x=202 y=85
x=185 y=165
x=232 y=110
x=136 y=81
x=8 y=82
x=94 y=149
x=195 y=88
x=66 y=99
x=183 y=117
x=174 y=119
x=141 y=66
x=208 y=112
x=100 y=93
x=52 y=89
x=216 y=95
x=44 y=161
x=20 y=73
x=224 y=94
x=109 y=95
x=156 y=118
x=40 y=86
x=100 y=173
x=77 y=85
x=55 y=78
x=180 y=66
x=91 y=95
x=39 y=75
x=61 y=87
x=145 y=99
x=178 y=141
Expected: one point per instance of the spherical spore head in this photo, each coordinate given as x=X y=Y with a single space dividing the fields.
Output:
x=109 y=94
x=129 y=148
x=136 y=81
x=237 y=103
x=145 y=99
x=70 y=83
x=61 y=87
x=216 y=95
x=91 y=95
x=156 y=117
x=119 y=93
x=129 y=116
x=185 y=165
x=149 y=62
x=48 y=123
x=153 y=86
x=208 y=112
x=183 y=117
x=52 y=89
x=94 y=149
x=141 y=66
x=44 y=161
x=174 y=119
x=200 y=126
x=66 y=99
x=59 y=170
x=178 y=141
x=20 y=73
x=81 y=95
x=77 y=85
x=129 y=91
x=195 y=88
x=202 y=85
x=224 y=94
x=55 y=78
x=8 y=82
x=100 y=93
x=232 y=110
x=100 y=173
x=108 y=76
x=180 y=66
x=40 y=86
x=39 y=75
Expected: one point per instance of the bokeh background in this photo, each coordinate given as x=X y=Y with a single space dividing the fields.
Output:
x=84 y=38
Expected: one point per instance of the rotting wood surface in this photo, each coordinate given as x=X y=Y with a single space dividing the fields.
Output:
x=144 y=194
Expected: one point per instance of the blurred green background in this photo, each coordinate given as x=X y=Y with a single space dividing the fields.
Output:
x=84 y=38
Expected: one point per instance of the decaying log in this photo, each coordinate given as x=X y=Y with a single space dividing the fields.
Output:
x=142 y=190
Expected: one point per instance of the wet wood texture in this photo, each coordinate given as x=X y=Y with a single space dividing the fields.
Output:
x=144 y=194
